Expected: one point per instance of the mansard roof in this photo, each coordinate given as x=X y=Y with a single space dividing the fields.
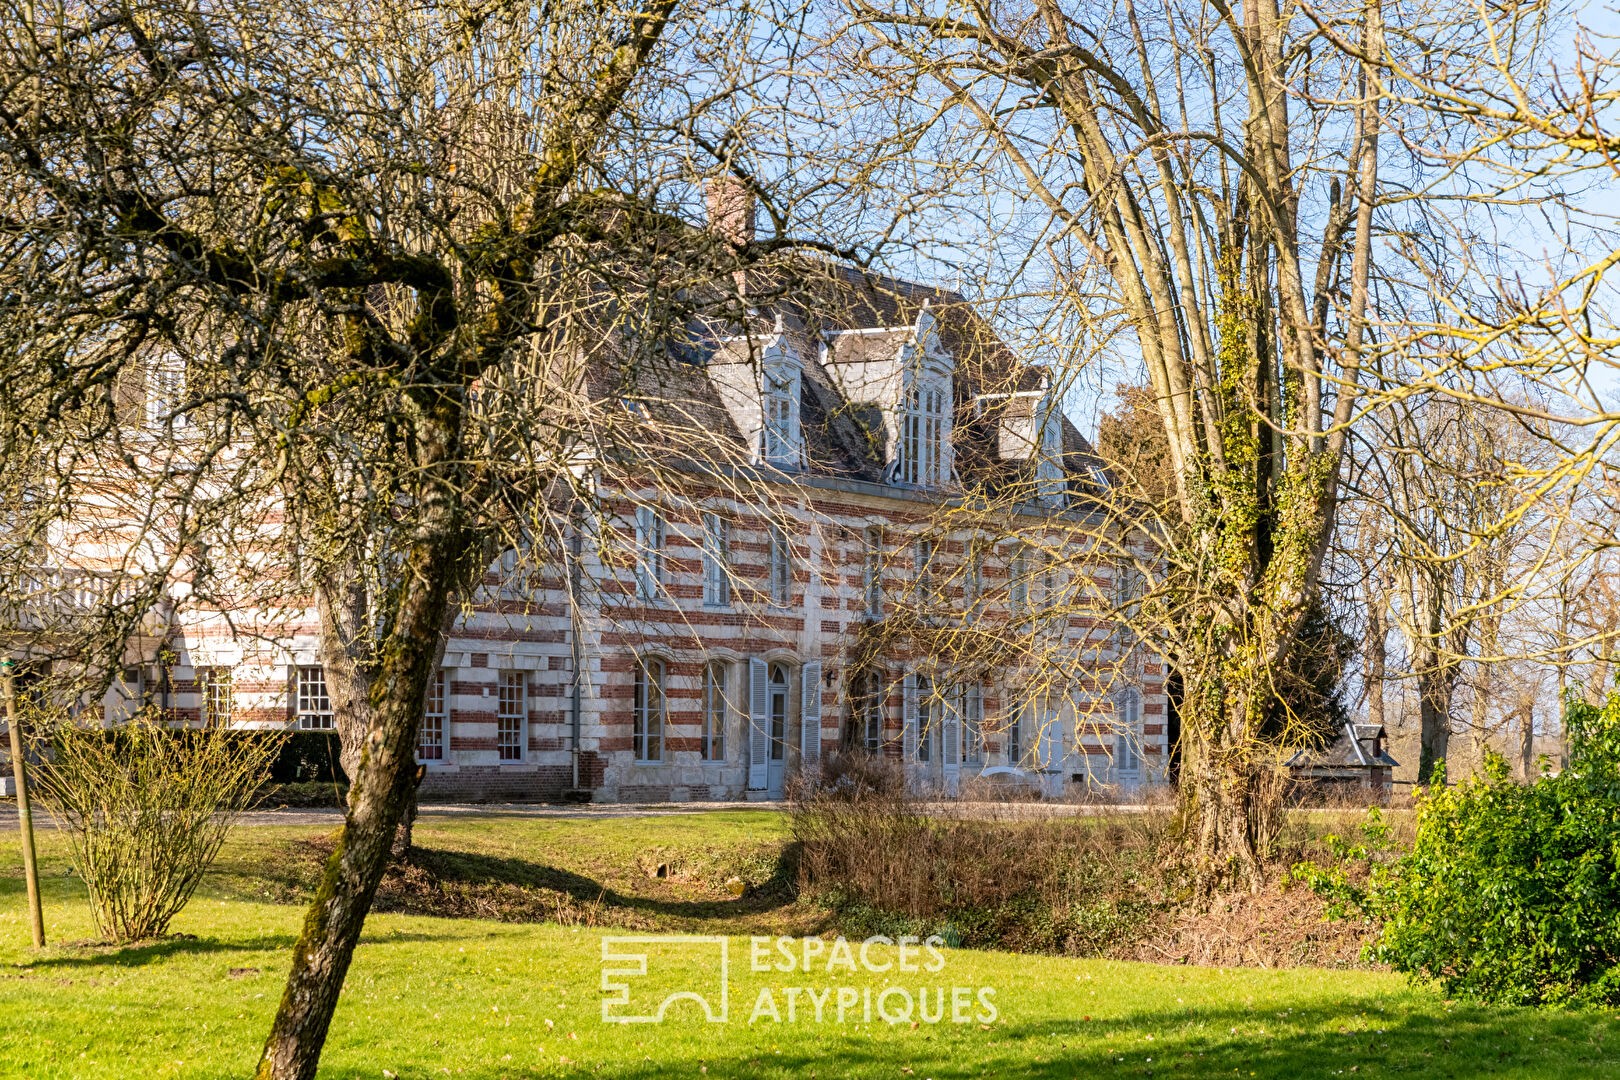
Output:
x=832 y=315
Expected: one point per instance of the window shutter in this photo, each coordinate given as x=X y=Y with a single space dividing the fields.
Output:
x=810 y=714
x=908 y=718
x=951 y=730
x=759 y=704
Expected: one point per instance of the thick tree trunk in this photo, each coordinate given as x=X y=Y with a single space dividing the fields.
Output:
x=1434 y=716
x=394 y=679
x=1228 y=798
x=1436 y=674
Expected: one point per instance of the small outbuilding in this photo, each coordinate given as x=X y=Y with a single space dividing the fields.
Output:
x=1358 y=758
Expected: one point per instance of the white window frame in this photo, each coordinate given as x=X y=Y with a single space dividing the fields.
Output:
x=165 y=391
x=716 y=561
x=1018 y=579
x=924 y=453
x=313 y=703
x=973 y=572
x=869 y=709
x=927 y=718
x=872 y=571
x=431 y=740
x=213 y=684
x=778 y=732
x=716 y=712
x=781 y=567
x=1129 y=585
x=779 y=442
x=512 y=716
x=973 y=724
x=651 y=533
x=1013 y=738
x=648 y=706
x=923 y=553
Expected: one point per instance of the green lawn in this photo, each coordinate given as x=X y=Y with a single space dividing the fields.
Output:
x=467 y=998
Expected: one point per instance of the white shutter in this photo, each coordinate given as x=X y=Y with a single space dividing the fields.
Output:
x=1050 y=784
x=759 y=706
x=951 y=730
x=810 y=715
x=908 y=718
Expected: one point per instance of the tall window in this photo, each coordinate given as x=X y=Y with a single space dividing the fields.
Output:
x=215 y=684
x=972 y=724
x=779 y=711
x=1015 y=736
x=1126 y=759
x=435 y=716
x=649 y=552
x=779 y=447
x=165 y=390
x=716 y=561
x=713 y=743
x=314 y=705
x=973 y=572
x=511 y=712
x=872 y=571
x=647 y=725
x=922 y=437
x=1129 y=584
x=781 y=566
x=869 y=711
x=922 y=566
x=1018 y=580
x=927 y=715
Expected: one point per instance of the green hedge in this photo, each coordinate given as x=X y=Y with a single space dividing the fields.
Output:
x=307 y=756
x=1510 y=893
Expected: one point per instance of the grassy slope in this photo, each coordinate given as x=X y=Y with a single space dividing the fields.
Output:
x=430 y=997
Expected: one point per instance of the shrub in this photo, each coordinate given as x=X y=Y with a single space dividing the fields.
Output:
x=892 y=865
x=1509 y=894
x=303 y=757
x=146 y=809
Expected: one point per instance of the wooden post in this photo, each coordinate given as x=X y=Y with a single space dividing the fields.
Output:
x=25 y=818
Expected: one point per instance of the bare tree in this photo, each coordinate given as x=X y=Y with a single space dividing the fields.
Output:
x=348 y=307
x=1210 y=188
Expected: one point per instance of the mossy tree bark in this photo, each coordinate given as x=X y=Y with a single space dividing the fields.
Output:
x=1254 y=355
x=386 y=695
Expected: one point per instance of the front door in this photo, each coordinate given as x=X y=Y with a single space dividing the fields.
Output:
x=776 y=762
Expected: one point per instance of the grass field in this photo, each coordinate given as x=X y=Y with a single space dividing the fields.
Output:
x=469 y=998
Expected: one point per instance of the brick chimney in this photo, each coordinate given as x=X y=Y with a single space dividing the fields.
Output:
x=731 y=208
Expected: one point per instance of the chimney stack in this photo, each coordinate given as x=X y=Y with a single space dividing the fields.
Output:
x=731 y=208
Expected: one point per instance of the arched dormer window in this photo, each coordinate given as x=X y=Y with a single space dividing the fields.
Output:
x=924 y=447
x=779 y=436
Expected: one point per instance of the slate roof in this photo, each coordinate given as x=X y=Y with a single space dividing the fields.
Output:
x=841 y=439
x=1358 y=746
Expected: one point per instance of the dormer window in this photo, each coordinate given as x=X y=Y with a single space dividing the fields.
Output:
x=924 y=453
x=779 y=437
x=165 y=392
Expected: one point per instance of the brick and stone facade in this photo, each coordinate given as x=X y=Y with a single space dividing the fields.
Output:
x=704 y=625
